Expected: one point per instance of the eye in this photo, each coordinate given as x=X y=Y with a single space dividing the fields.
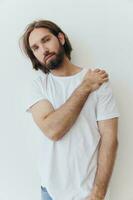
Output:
x=35 y=48
x=45 y=40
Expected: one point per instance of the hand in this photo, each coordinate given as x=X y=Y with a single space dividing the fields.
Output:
x=95 y=78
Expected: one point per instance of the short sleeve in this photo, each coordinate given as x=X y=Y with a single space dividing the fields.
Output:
x=106 y=104
x=36 y=93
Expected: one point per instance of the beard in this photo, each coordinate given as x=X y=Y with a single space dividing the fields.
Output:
x=57 y=59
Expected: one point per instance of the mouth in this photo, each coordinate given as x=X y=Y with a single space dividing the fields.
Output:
x=49 y=56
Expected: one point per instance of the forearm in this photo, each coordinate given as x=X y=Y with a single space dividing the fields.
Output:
x=58 y=123
x=106 y=160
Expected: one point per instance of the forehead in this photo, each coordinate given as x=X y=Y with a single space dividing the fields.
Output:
x=37 y=34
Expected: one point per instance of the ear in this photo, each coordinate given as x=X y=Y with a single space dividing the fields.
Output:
x=61 y=37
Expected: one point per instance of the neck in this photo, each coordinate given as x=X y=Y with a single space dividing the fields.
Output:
x=66 y=68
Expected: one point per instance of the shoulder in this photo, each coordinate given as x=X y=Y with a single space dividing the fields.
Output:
x=39 y=80
x=105 y=87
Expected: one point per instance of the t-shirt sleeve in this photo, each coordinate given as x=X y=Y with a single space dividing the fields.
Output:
x=35 y=94
x=106 y=104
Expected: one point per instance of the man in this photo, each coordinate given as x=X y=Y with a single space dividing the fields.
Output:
x=75 y=109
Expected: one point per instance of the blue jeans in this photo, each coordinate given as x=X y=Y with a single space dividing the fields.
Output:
x=44 y=194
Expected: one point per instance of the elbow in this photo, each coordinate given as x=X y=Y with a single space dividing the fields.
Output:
x=115 y=144
x=53 y=136
x=112 y=143
x=50 y=133
x=53 y=133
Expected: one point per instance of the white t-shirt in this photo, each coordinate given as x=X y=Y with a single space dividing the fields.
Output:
x=68 y=166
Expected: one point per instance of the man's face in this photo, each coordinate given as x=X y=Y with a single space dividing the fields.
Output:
x=47 y=48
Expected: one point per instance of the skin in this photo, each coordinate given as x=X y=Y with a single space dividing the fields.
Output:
x=107 y=128
x=41 y=48
x=106 y=158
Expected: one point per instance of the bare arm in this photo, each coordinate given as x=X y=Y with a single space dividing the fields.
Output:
x=106 y=158
x=56 y=123
x=59 y=121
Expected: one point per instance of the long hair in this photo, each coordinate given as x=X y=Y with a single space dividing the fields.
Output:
x=54 y=29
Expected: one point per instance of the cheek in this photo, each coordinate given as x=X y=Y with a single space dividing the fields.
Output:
x=54 y=46
x=38 y=56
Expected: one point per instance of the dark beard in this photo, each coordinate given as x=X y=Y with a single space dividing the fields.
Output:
x=57 y=61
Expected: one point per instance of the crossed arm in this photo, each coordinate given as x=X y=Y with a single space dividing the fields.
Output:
x=106 y=157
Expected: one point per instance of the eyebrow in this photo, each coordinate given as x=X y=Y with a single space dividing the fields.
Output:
x=44 y=37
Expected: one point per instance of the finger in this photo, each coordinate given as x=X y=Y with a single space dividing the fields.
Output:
x=102 y=71
x=105 y=75
x=97 y=70
x=105 y=79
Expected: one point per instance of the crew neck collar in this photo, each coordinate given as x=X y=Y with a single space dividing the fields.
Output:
x=68 y=77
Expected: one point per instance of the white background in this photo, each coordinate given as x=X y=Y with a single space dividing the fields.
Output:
x=101 y=33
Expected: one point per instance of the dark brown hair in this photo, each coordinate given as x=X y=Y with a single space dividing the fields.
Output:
x=54 y=29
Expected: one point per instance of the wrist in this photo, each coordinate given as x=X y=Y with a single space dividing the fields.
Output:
x=98 y=193
x=93 y=197
x=86 y=86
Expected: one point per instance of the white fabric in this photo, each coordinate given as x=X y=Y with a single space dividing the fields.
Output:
x=67 y=167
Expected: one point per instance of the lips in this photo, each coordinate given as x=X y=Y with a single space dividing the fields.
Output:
x=47 y=57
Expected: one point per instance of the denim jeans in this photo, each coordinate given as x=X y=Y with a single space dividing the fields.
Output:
x=44 y=194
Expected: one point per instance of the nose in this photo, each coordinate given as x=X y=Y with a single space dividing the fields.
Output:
x=43 y=49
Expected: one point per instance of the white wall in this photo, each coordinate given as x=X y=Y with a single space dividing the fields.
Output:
x=101 y=34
